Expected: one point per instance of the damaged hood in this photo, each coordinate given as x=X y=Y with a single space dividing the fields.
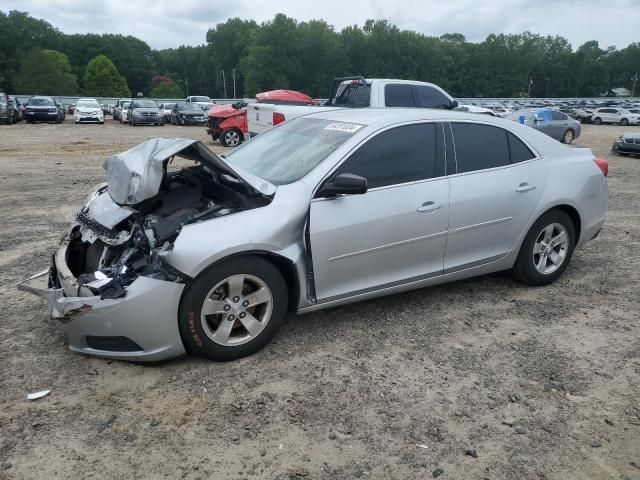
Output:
x=136 y=175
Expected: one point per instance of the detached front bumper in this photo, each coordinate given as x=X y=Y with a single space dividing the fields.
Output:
x=142 y=326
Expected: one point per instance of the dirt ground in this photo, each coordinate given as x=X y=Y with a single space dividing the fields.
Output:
x=542 y=383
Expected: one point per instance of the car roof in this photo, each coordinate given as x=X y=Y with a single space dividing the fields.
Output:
x=392 y=115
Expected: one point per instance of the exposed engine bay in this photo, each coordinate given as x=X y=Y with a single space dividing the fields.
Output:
x=111 y=244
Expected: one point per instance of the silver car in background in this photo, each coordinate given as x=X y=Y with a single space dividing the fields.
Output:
x=327 y=209
x=554 y=123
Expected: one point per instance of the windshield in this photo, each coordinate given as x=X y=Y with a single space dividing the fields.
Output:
x=290 y=151
x=189 y=106
x=41 y=102
x=126 y=104
x=200 y=99
x=88 y=104
x=168 y=106
x=144 y=104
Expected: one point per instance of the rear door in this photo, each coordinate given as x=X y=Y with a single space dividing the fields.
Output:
x=494 y=193
x=394 y=233
x=560 y=123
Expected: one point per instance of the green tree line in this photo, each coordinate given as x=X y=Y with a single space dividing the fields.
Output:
x=286 y=53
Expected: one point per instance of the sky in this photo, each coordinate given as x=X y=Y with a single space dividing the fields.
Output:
x=171 y=23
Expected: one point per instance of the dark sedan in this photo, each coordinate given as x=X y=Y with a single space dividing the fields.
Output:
x=42 y=109
x=627 y=144
x=184 y=113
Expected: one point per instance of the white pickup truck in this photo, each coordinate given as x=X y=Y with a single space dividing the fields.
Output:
x=354 y=92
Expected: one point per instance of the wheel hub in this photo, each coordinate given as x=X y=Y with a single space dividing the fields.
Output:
x=236 y=310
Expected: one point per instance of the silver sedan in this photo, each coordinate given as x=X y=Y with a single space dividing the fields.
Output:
x=327 y=209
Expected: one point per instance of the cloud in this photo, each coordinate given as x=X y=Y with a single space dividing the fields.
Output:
x=170 y=23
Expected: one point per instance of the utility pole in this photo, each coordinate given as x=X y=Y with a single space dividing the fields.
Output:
x=635 y=79
x=234 y=82
x=530 y=83
x=547 y=95
x=224 y=85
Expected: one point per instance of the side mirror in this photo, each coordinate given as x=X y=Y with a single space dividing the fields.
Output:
x=454 y=104
x=344 y=184
x=538 y=119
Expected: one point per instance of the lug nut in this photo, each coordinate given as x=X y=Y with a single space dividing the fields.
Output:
x=236 y=299
x=231 y=317
x=242 y=315
x=227 y=308
x=245 y=303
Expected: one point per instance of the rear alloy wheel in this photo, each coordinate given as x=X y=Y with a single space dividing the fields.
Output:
x=546 y=250
x=230 y=138
x=568 y=137
x=624 y=122
x=597 y=120
x=233 y=309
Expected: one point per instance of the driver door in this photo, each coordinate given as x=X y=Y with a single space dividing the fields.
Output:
x=396 y=231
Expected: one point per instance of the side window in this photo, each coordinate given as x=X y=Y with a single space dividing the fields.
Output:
x=400 y=155
x=479 y=147
x=518 y=150
x=398 y=95
x=558 y=115
x=429 y=97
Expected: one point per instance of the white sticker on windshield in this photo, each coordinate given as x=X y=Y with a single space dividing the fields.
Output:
x=343 y=127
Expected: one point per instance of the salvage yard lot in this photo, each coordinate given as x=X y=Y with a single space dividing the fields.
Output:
x=544 y=383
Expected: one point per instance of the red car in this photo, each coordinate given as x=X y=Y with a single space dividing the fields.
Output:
x=228 y=123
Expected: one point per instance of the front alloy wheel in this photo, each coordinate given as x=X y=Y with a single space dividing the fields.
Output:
x=231 y=138
x=236 y=310
x=236 y=316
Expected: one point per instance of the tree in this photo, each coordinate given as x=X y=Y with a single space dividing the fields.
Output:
x=46 y=72
x=102 y=79
x=166 y=88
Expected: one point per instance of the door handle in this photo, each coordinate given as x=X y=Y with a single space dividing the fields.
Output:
x=428 y=207
x=525 y=187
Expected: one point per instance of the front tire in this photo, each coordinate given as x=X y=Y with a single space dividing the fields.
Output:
x=597 y=121
x=546 y=250
x=231 y=138
x=624 y=122
x=233 y=309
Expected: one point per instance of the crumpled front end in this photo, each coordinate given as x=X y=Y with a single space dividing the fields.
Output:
x=109 y=285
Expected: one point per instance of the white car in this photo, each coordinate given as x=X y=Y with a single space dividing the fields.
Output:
x=615 y=115
x=166 y=110
x=502 y=112
x=205 y=103
x=124 y=112
x=88 y=110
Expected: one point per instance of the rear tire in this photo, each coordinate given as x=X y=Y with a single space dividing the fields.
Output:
x=568 y=136
x=546 y=250
x=221 y=334
x=597 y=121
x=624 y=122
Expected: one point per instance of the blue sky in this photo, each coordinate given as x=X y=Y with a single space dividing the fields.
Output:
x=170 y=23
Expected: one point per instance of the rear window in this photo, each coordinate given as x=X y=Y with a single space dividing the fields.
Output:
x=352 y=94
x=519 y=152
x=41 y=102
x=479 y=147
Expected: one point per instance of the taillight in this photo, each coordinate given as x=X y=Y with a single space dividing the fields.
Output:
x=278 y=118
x=602 y=165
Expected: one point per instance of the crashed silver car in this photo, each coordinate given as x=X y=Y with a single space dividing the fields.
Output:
x=326 y=209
